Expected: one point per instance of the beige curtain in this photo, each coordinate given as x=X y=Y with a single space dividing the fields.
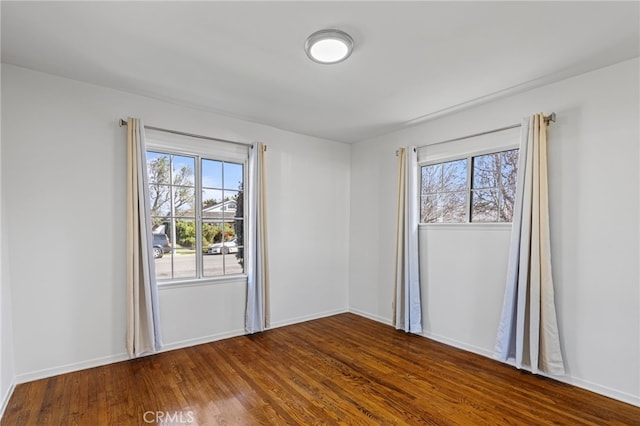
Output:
x=143 y=333
x=257 y=261
x=528 y=330
x=407 y=305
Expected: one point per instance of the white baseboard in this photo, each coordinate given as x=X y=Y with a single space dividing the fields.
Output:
x=458 y=344
x=6 y=397
x=201 y=340
x=580 y=383
x=371 y=316
x=599 y=389
x=97 y=362
x=69 y=368
x=305 y=318
x=573 y=381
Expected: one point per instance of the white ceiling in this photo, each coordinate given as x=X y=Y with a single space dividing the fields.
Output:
x=411 y=60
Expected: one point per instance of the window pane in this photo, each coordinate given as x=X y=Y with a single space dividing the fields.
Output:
x=185 y=231
x=184 y=264
x=211 y=233
x=212 y=265
x=506 y=203
x=163 y=267
x=158 y=168
x=454 y=175
x=444 y=192
x=431 y=179
x=509 y=166
x=160 y=200
x=184 y=201
x=212 y=236
x=233 y=263
x=230 y=204
x=238 y=228
x=454 y=207
x=485 y=171
x=211 y=207
x=429 y=209
x=484 y=205
x=184 y=258
x=183 y=168
x=160 y=225
x=233 y=176
x=180 y=262
x=162 y=249
x=211 y=174
x=222 y=252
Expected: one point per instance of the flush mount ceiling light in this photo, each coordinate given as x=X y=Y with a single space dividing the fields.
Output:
x=328 y=46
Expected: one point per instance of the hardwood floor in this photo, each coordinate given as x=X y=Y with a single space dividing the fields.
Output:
x=343 y=369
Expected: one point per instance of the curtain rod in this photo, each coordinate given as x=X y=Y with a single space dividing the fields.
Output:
x=549 y=118
x=123 y=123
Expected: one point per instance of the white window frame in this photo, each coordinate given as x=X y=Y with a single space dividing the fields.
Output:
x=169 y=143
x=469 y=157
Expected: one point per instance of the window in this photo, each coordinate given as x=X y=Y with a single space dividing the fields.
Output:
x=196 y=202
x=447 y=196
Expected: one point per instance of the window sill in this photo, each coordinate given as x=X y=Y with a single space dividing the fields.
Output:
x=472 y=225
x=167 y=285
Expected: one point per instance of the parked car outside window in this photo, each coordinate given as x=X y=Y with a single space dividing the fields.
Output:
x=161 y=245
x=230 y=246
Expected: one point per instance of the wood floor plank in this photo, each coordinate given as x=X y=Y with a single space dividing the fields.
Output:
x=343 y=370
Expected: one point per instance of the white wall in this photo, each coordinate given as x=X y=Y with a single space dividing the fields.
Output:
x=464 y=270
x=7 y=366
x=63 y=190
x=7 y=370
x=594 y=197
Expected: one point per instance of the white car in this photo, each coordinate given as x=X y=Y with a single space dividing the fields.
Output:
x=230 y=246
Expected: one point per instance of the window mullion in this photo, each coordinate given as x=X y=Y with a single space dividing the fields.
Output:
x=172 y=215
x=197 y=201
x=469 y=187
x=499 y=184
x=224 y=224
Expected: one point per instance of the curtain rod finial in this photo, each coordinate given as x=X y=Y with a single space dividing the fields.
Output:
x=551 y=118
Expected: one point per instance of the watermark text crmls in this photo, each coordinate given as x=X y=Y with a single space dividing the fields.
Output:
x=172 y=417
